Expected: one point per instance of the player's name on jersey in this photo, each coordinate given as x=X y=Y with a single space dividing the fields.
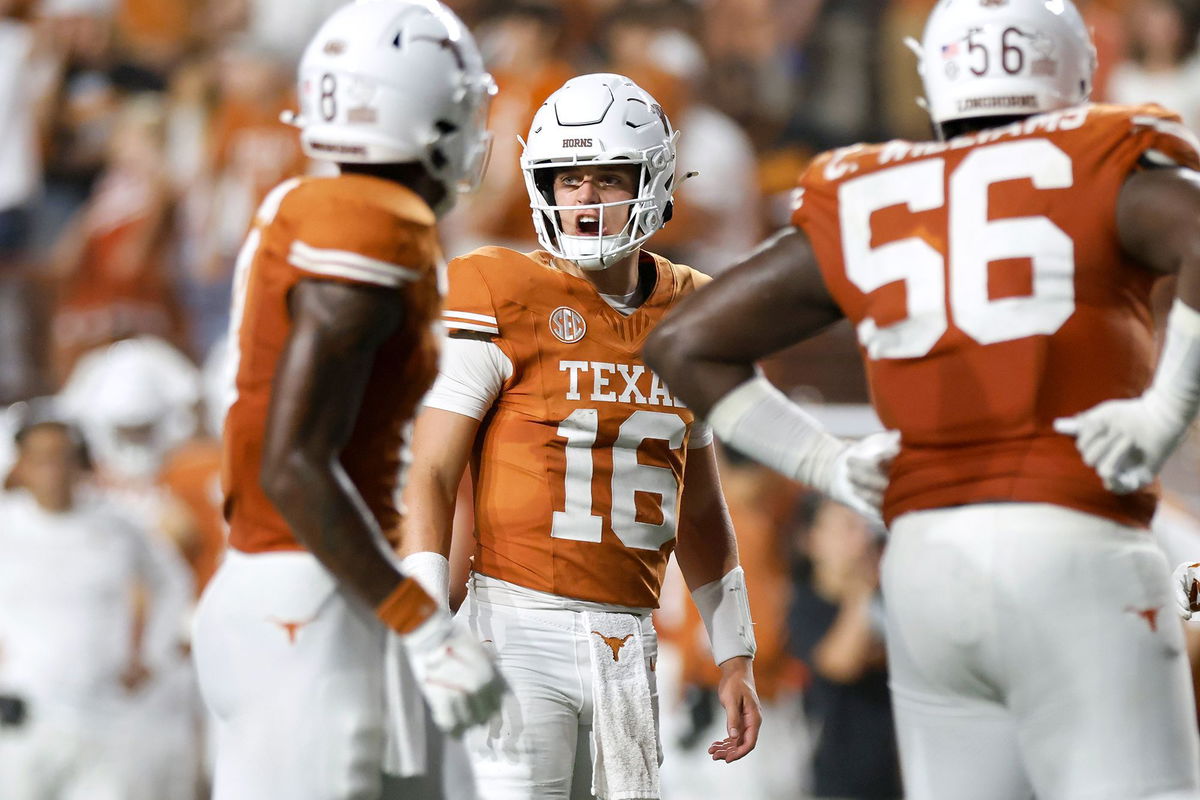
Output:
x=843 y=161
x=608 y=382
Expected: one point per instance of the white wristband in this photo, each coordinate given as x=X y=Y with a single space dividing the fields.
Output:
x=1175 y=391
x=725 y=609
x=432 y=571
x=761 y=422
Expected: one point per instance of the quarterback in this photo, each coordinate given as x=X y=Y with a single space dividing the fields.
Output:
x=335 y=297
x=999 y=280
x=588 y=472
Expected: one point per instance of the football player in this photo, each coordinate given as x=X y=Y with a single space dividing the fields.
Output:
x=998 y=279
x=336 y=293
x=588 y=472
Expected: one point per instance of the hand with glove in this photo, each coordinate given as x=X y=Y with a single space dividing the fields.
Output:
x=1127 y=441
x=1186 y=583
x=860 y=473
x=763 y=423
x=457 y=676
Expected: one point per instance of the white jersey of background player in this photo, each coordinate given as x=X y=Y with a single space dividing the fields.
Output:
x=585 y=467
x=136 y=400
x=73 y=572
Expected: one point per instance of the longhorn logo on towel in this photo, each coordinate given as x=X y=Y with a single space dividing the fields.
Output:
x=614 y=643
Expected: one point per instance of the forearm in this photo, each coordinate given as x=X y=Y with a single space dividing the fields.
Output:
x=329 y=518
x=850 y=648
x=430 y=500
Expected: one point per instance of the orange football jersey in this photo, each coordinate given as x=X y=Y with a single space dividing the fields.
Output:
x=990 y=295
x=354 y=229
x=579 y=465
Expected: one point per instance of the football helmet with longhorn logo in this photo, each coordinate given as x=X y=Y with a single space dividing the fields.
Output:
x=986 y=58
x=391 y=81
x=600 y=119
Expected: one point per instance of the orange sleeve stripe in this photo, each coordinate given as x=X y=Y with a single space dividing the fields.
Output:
x=406 y=607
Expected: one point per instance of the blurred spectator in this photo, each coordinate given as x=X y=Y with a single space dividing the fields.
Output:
x=20 y=183
x=251 y=152
x=137 y=403
x=1161 y=66
x=88 y=605
x=759 y=500
x=522 y=47
x=112 y=262
x=837 y=628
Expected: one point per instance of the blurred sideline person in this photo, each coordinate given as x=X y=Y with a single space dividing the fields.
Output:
x=999 y=282
x=136 y=401
x=336 y=293
x=90 y=606
x=586 y=468
x=836 y=627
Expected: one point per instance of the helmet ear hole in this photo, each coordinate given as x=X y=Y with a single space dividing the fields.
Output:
x=669 y=210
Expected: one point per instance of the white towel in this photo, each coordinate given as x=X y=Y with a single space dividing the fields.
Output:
x=625 y=738
x=404 y=751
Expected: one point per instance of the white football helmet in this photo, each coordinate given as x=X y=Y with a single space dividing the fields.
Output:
x=135 y=401
x=986 y=58
x=600 y=119
x=389 y=81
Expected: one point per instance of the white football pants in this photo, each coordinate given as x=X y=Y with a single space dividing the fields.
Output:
x=1035 y=651
x=292 y=671
x=540 y=746
x=63 y=756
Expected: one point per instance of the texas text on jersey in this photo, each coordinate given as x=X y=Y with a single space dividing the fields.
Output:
x=933 y=254
x=578 y=467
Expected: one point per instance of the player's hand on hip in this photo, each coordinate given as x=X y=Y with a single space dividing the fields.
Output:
x=743 y=712
x=456 y=674
x=1124 y=441
x=860 y=473
x=1186 y=584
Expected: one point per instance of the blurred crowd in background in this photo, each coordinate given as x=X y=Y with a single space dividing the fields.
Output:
x=136 y=139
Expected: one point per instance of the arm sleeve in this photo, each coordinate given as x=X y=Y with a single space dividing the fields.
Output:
x=472 y=374
x=359 y=243
x=702 y=435
x=1167 y=141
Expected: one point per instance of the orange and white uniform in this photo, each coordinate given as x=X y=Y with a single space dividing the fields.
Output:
x=991 y=295
x=578 y=466
x=290 y=666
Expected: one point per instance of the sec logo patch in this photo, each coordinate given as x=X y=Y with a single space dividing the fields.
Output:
x=567 y=325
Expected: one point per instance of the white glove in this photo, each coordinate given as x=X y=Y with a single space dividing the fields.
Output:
x=1124 y=441
x=1127 y=441
x=860 y=473
x=456 y=674
x=1186 y=583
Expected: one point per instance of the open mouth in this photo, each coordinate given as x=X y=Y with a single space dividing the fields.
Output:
x=587 y=225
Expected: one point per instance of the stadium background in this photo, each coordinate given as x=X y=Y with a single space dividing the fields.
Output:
x=137 y=137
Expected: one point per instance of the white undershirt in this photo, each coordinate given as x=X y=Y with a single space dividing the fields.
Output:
x=473 y=372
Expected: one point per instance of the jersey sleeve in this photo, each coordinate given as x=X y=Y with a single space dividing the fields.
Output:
x=1164 y=138
x=357 y=242
x=468 y=307
x=810 y=180
x=471 y=377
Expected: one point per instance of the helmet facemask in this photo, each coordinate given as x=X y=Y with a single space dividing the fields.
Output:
x=597 y=121
x=600 y=250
